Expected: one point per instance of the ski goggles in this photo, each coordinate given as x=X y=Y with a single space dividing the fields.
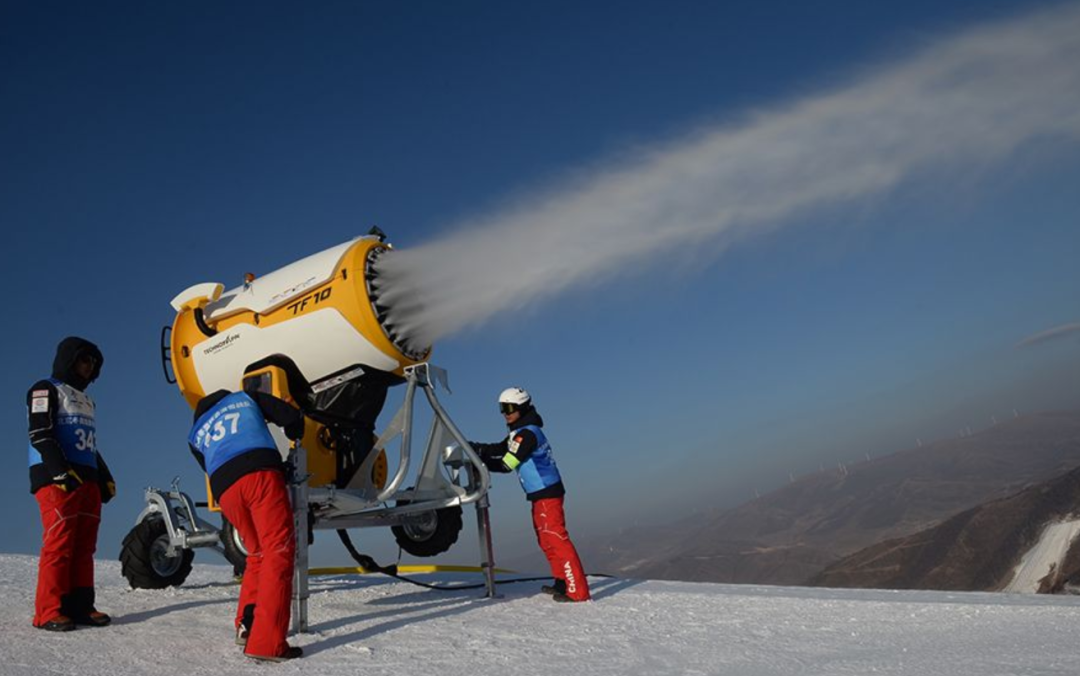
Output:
x=507 y=409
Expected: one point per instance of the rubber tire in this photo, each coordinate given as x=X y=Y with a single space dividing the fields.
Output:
x=235 y=551
x=437 y=534
x=141 y=557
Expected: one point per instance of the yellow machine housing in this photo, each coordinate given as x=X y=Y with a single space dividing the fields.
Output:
x=317 y=324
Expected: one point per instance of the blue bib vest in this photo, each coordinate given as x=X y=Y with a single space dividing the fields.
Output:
x=231 y=428
x=73 y=427
x=539 y=470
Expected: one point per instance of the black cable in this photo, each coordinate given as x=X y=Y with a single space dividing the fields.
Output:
x=368 y=563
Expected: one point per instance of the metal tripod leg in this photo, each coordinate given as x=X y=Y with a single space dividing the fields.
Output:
x=300 y=525
x=487 y=551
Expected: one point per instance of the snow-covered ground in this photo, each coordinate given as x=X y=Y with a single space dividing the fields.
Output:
x=1047 y=553
x=371 y=626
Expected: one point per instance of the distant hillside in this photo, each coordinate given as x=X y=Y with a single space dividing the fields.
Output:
x=976 y=550
x=790 y=535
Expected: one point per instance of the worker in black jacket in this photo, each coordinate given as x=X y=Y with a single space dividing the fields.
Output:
x=232 y=443
x=526 y=450
x=70 y=481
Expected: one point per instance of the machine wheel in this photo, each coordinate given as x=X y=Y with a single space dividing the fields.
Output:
x=429 y=533
x=143 y=560
x=235 y=551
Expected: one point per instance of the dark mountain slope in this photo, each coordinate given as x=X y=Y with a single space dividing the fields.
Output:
x=791 y=534
x=976 y=550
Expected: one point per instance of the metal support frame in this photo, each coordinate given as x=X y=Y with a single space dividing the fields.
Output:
x=299 y=490
x=185 y=528
x=362 y=506
x=352 y=508
x=487 y=551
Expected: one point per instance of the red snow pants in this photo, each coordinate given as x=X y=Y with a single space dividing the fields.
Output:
x=258 y=506
x=70 y=522
x=550 y=526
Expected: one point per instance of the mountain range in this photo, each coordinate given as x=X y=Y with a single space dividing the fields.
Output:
x=796 y=533
x=975 y=550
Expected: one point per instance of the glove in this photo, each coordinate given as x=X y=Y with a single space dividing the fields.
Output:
x=108 y=491
x=68 y=481
x=295 y=432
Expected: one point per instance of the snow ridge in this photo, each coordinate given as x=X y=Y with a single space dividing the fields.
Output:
x=1047 y=555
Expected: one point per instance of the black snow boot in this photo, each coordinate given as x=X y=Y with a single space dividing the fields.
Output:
x=246 y=622
x=58 y=623
x=291 y=653
x=79 y=606
x=563 y=598
x=557 y=587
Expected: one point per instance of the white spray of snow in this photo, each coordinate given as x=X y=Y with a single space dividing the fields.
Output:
x=1048 y=552
x=956 y=105
x=374 y=626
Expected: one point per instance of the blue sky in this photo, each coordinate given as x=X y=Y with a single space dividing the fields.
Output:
x=148 y=147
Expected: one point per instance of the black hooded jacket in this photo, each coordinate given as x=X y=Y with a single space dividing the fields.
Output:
x=493 y=454
x=275 y=411
x=54 y=466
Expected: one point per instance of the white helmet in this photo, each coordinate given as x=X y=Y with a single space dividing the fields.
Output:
x=515 y=396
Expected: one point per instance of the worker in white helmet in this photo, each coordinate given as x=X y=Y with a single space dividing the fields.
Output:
x=526 y=450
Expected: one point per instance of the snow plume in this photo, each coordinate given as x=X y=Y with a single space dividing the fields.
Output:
x=960 y=102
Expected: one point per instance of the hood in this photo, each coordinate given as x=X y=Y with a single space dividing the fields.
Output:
x=67 y=352
x=530 y=417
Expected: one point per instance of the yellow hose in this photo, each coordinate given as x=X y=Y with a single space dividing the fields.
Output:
x=427 y=568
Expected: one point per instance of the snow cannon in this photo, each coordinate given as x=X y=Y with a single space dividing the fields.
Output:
x=319 y=334
x=320 y=320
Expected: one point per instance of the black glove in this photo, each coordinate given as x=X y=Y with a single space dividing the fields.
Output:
x=108 y=490
x=295 y=430
x=68 y=481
